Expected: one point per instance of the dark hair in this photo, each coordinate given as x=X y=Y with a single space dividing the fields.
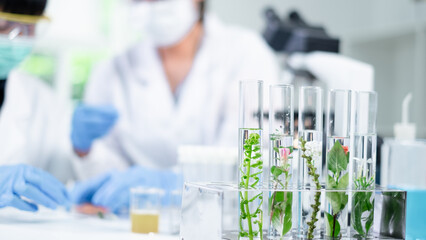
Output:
x=28 y=7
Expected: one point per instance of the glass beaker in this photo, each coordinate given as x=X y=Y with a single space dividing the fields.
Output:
x=145 y=208
x=310 y=159
x=250 y=159
x=281 y=162
x=363 y=143
x=337 y=163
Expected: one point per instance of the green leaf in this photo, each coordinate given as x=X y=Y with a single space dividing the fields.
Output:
x=282 y=211
x=337 y=160
x=256 y=148
x=338 y=200
x=276 y=171
x=357 y=212
x=276 y=221
x=334 y=199
x=287 y=223
x=369 y=205
x=369 y=222
x=277 y=150
x=270 y=202
x=331 y=183
x=279 y=196
x=257 y=155
x=330 y=224
x=343 y=182
x=257 y=164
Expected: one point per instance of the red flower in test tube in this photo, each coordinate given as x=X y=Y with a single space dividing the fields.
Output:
x=346 y=149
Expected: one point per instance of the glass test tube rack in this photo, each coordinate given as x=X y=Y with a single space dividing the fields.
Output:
x=210 y=211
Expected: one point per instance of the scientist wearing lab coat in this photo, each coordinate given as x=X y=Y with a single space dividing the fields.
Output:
x=177 y=86
x=34 y=121
x=27 y=109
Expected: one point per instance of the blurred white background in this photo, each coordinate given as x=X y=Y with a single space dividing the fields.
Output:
x=389 y=34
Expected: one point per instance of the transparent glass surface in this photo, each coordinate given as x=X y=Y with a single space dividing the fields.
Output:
x=364 y=112
x=251 y=104
x=281 y=112
x=211 y=211
x=310 y=109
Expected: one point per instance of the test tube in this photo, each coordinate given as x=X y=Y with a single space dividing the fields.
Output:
x=310 y=161
x=363 y=161
x=337 y=163
x=281 y=162
x=250 y=135
x=310 y=134
x=363 y=138
x=250 y=159
x=281 y=133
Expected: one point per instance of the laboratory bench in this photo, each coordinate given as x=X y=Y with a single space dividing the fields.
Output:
x=62 y=225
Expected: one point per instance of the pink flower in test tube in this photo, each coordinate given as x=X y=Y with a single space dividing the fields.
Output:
x=284 y=153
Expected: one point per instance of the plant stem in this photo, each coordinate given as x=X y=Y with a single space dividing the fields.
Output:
x=246 y=198
x=315 y=176
x=252 y=159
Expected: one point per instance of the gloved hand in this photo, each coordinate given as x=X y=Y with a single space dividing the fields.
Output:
x=112 y=189
x=90 y=123
x=35 y=185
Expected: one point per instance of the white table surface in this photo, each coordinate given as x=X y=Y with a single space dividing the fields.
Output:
x=61 y=225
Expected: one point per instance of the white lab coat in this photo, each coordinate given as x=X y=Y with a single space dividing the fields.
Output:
x=153 y=121
x=34 y=126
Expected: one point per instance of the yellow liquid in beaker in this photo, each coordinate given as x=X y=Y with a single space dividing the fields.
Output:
x=144 y=221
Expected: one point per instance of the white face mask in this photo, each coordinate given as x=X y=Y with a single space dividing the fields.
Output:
x=166 y=22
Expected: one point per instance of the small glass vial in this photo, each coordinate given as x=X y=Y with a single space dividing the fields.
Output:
x=363 y=145
x=250 y=160
x=337 y=163
x=281 y=161
x=310 y=160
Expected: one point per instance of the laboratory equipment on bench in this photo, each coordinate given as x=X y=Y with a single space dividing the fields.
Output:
x=403 y=165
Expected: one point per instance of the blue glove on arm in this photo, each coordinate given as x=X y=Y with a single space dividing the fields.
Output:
x=111 y=190
x=37 y=186
x=90 y=123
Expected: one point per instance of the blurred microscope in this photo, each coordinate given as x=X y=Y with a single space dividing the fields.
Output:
x=310 y=56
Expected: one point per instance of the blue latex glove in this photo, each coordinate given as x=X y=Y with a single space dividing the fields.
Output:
x=112 y=190
x=35 y=185
x=90 y=123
